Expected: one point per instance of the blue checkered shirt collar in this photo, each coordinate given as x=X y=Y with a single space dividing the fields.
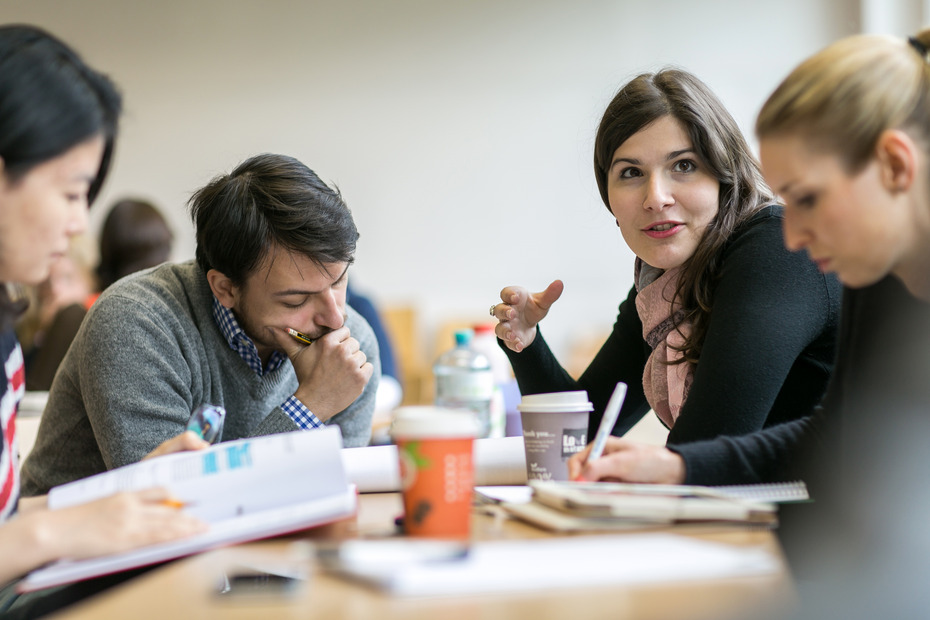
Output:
x=240 y=342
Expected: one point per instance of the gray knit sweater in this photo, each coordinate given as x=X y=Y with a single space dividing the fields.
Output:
x=147 y=354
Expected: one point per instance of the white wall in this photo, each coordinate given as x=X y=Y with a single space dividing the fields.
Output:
x=459 y=132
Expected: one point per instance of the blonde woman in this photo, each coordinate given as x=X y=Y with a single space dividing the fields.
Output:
x=845 y=141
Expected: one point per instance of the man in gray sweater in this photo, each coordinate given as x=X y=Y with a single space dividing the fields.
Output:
x=274 y=244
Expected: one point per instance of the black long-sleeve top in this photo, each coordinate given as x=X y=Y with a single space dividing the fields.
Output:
x=765 y=360
x=878 y=396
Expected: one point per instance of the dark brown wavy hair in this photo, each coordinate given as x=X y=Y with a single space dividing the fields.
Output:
x=270 y=201
x=721 y=147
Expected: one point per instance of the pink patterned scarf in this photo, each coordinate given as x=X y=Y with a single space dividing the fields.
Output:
x=666 y=385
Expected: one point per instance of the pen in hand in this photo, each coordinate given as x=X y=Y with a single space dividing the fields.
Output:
x=607 y=423
x=304 y=338
x=174 y=503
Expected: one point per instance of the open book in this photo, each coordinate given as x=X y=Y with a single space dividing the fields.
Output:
x=245 y=489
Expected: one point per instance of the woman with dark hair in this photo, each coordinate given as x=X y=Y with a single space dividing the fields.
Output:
x=58 y=123
x=725 y=331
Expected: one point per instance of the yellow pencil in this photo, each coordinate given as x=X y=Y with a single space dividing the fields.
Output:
x=300 y=336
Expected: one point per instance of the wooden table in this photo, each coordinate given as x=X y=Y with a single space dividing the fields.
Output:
x=186 y=588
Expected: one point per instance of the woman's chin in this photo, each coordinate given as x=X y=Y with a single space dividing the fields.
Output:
x=858 y=279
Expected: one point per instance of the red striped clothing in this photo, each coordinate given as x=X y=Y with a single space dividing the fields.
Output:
x=12 y=387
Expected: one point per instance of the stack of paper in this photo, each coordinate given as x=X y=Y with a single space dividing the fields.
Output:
x=569 y=506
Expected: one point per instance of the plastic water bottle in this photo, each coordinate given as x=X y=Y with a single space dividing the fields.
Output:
x=464 y=380
x=485 y=342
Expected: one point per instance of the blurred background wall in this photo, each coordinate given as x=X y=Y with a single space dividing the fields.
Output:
x=460 y=133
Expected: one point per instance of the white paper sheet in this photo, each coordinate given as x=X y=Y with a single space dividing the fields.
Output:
x=578 y=561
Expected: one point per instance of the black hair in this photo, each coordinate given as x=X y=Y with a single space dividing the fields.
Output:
x=270 y=201
x=50 y=102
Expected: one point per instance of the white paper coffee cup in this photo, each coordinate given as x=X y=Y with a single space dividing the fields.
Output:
x=435 y=448
x=555 y=426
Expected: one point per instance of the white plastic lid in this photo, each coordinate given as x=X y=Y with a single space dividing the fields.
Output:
x=426 y=422
x=556 y=402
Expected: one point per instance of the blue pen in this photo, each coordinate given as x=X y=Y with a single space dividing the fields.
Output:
x=607 y=422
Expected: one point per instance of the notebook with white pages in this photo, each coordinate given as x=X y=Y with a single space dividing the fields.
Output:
x=269 y=501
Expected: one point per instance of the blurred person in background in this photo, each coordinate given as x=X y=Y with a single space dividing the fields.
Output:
x=56 y=308
x=134 y=236
x=390 y=389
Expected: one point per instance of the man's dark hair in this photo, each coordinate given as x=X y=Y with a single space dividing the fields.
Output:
x=270 y=201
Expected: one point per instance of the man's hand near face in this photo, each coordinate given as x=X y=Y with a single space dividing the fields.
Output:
x=332 y=372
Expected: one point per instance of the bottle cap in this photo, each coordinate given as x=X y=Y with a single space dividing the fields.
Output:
x=463 y=336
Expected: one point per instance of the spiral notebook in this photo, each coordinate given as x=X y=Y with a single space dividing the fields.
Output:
x=776 y=492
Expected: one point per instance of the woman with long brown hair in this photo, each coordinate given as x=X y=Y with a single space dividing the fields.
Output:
x=725 y=331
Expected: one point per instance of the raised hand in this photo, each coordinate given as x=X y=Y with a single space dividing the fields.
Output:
x=520 y=312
